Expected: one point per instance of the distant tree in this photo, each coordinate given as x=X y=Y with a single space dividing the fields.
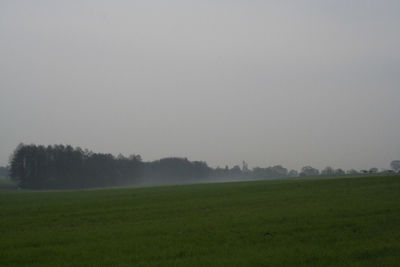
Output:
x=309 y=171
x=245 y=166
x=278 y=171
x=121 y=157
x=135 y=157
x=236 y=171
x=373 y=170
x=339 y=172
x=18 y=164
x=395 y=164
x=175 y=170
x=258 y=173
x=63 y=167
x=329 y=171
x=352 y=171
x=293 y=173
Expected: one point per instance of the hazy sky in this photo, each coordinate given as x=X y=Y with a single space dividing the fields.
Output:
x=270 y=82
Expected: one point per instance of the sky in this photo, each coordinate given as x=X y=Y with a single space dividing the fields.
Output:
x=270 y=82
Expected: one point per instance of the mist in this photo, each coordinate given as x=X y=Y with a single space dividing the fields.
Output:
x=272 y=83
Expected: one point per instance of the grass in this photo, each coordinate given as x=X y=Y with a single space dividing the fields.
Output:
x=321 y=222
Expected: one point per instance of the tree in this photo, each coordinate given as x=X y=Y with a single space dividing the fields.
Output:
x=395 y=164
x=17 y=164
x=235 y=171
x=63 y=167
x=329 y=171
x=352 y=171
x=309 y=171
x=278 y=171
x=373 y=170
x=135 y=157
x=245 y=167
x=339 y=172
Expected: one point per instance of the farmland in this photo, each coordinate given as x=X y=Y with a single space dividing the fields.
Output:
x=290 y=222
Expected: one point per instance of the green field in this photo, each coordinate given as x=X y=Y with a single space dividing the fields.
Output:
x=345 y=222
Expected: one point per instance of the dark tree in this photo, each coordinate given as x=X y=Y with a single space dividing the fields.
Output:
x=352 y=171
x=64 y=167
x=373 y=170
x=276 y=171
x=175 y=170
x=309 y=171
x=329 y=171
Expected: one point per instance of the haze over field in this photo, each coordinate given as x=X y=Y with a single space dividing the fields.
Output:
x=270 y=82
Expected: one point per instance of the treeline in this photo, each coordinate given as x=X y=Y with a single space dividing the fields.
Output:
x=236 y=172
x=65 y=167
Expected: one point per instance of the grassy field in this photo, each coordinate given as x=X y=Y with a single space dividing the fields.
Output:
x=321 y=222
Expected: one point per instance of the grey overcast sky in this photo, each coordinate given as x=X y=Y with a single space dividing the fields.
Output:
x=270 y=82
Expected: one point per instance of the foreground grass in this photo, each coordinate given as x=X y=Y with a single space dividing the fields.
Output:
x=304 y=222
